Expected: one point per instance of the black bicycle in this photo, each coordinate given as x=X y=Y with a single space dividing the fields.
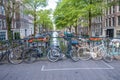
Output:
x=16 y=49
x=4 y=49
x=7 y=51
x=34 y=51
x=56 y=52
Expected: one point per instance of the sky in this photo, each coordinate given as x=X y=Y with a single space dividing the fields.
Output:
x=51 y=4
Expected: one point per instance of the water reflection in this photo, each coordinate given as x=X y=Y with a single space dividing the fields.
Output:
x=55 y=40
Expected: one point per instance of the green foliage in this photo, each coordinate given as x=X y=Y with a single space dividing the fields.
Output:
x=35 y=4
x=72 y=12
x=44 y=19
x=33 y=7
x=10 y=7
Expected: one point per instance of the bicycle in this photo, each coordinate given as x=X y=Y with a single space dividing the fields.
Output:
x=7 y=51
x=83 y=50
x=101 y=52
x=55 y=52
x=114 y=52
x=16 y=50
x=33 y=51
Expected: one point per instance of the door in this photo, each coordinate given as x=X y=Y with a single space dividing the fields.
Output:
x=110 y=33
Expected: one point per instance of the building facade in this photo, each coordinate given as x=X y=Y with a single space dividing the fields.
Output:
x=111 y=21
x=107 y=25
x=83 y=30
x=96 y=26
x=26 y=23
x=3 y=32
x=22 y=25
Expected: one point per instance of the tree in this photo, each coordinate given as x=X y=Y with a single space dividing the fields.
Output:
x=69 y=12
x=92 y=10
x=74 y=10
x=33 y=6
x=44 y=19
x=10 y=7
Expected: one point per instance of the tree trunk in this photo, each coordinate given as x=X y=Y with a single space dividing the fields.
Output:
x=90 y=18
x=76 y=28
x=35 y=25
x=70 y=28
x=89 y=27
x=9 y=32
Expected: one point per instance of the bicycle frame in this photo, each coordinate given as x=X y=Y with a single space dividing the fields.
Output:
x=115 y=50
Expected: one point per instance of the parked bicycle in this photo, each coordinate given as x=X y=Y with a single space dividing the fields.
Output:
x=11 y=51
x=96 y=51
x=16 y=49
x=55 y=52
x=4 y=50
x=114 y=51
x=34 y=50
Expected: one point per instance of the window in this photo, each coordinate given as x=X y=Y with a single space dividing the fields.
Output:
x=4 y=23
x=113 y=21
x=106 y=22
x=118 y=20
x=109 y=22
x=118 y=32
x=106 y=11
x=110 y=10
x=100 y=18
x=113 y=8
x=0 y=24
x=3 y=11
x=0 y=9
x=119 y=6
x=101 y=29
x=2 y=35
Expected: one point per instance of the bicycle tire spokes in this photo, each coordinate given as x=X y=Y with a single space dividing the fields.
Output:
x=84 y=53
x=53 y=55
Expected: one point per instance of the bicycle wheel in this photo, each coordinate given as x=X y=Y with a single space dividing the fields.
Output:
x=74 y=55
x=117 y=54
x=108 y=56
x=53 y=55
x=98 y=55
x=15 y=56
x=30 y=55
x=1 y=56
x=1 y=52
x=84 y=53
